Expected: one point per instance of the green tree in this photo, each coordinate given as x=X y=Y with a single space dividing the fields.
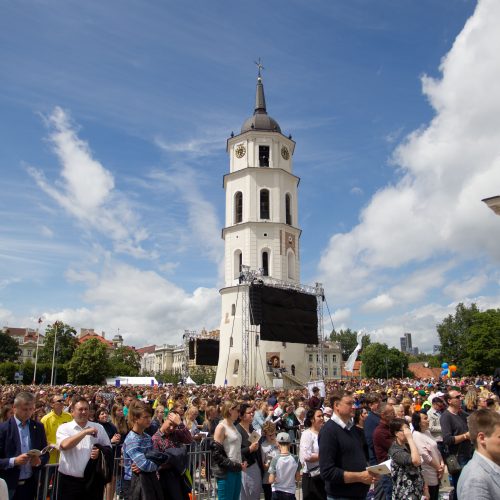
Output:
x=7 y=371
x=9 y=348
x=380 y=361
x=482 y=344
x=348 y=341
x=65 y=346
x=453 y=332
x=202 y=375
x=124 y=361
x=89 y=364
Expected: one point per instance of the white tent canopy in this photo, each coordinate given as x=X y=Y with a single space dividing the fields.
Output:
x=189 y=381
x=118 y=381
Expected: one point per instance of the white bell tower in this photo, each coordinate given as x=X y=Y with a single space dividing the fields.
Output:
x=261 y=233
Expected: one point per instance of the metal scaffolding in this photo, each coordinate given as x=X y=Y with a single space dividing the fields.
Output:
x=249 y=276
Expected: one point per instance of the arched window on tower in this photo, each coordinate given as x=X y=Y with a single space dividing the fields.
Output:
x=264 y=204
x=237 y=264
x=291 y=265
x=288 y=209
x=238 y=207
x=265 y=263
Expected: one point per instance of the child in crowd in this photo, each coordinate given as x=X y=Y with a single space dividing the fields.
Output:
x=284 y=470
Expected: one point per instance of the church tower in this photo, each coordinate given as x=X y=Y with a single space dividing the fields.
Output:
x=261 y=233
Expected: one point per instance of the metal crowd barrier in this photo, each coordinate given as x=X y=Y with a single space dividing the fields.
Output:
x=199 y=466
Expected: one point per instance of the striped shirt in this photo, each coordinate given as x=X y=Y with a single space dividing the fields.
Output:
x=134 y=449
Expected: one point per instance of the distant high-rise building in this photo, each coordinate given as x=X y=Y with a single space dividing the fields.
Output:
x=414 y=351
x=409 y=346
x=403 y=344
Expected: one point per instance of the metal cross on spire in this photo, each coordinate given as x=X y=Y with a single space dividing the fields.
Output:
x=259 y=66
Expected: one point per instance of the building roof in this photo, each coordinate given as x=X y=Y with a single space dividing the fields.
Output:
x=356 y=371
x=260 y=120
x=420 y=371
x=146 y=350
x=88 y=336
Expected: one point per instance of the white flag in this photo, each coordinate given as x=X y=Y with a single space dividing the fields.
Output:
x=349 y=365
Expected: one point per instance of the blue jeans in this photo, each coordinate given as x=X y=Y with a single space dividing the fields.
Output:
x=229 y=488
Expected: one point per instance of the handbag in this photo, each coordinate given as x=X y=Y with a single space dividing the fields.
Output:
x=453 y=465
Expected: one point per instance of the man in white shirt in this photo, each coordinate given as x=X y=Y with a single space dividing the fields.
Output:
x=76 y=441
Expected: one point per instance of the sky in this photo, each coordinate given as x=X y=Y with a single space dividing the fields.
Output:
x=114 y=121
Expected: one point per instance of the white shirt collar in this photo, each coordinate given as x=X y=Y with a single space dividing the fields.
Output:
x=340 y=422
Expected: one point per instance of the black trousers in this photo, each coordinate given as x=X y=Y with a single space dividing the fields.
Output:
x=313 y=488
x=69 y=487
x=26 y=491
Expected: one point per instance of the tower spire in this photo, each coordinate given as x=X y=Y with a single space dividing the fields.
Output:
x=260 y=100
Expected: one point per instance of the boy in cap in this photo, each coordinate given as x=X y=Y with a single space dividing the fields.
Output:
x=284 y=470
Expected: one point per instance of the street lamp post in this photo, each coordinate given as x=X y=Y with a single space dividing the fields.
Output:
x=54 y=354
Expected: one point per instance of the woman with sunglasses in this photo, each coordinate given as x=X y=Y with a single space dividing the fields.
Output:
x=226 y=454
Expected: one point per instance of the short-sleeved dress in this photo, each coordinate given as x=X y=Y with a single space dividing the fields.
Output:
x=407 y=480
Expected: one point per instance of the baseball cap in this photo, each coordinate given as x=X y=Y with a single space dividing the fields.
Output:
x=283 y=437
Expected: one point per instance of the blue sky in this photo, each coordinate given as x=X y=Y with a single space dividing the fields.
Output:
x=114 y=122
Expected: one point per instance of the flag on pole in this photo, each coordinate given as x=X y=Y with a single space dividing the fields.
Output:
x=349 y=365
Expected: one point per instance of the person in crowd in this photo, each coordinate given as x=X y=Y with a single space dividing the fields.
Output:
x=51 y=422
x=127 y=401
x=78 y=443
x=360 y=416
x=480 y=477
x=432 y=461
x=406 y=473
x=191 y=423
x=284 y=470
x=315 y=401
x=226 y=454
x=119 y=421
x=269 y=449
x=327 y=413
x=313 y=487
x=434 y=414
x=172 y=434
x=261 y=415
x=102 y=417
x=212 y=419
x=470 y=400
x=251 y=480
x=18 y=436
x=342 y=461
x=371 y=422
x=382 y=441
x=157 y=420
x=456 y=435
x=6 y=412
x=136 y=444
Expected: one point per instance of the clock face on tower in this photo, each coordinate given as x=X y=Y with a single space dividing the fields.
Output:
x=285 y=153
x=240 y=151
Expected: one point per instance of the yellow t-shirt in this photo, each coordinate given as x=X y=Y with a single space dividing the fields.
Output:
x=51 y=422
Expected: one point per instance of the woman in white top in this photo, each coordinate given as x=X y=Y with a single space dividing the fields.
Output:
x=313 y=487
x=432 y=461
x=227 y=465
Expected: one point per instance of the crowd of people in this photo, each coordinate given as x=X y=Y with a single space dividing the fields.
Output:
x=356 y=439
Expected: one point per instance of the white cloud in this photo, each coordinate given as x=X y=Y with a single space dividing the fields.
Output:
x=86 y=189
x=356 y=191
x=144 y=306
x=465 y=288
x=433 y=213
x=340 y=316
x=381 y=302
x=46 y=231
x=202 y=218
